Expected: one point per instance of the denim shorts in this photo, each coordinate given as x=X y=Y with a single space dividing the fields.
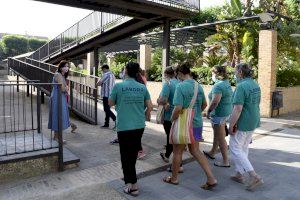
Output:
x=219 y=120
x=197 y=132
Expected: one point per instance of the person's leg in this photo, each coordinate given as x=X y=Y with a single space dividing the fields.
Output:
x=255 y=179
x=169 y=147
x=201 y=159
x=177 y=160
x=215 y=146
x=141 y=152
x=106 y=110
x=221 y=134
x=136 y=143
x=124 y=138
x=235 y=148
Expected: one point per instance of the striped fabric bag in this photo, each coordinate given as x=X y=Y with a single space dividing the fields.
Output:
x=182 y=128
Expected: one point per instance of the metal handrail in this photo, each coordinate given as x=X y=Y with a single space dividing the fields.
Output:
x=83 y=97
x=96 y=23
x=22 y=131
x=191 y=5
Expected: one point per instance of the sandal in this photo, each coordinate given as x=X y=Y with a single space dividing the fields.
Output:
x=131 y=192
x=238 y=179
x=73 y=127
x=208 y=155
x=254 y=182
x=179 y=171
x=208 y=186
x=219 y=164
x=168 y=179
x=163 y=156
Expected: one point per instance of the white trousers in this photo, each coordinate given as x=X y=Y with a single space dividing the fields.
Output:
x=238 y=146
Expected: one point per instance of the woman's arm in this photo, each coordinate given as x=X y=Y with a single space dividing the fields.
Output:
x=148 y=109
x=214 y=103
x=59 y=79
x=176 y=112
x=204 y=104
x=237 y=109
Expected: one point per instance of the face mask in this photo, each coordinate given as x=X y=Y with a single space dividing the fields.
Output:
x=214 y=78
x=66 y=69
x=237 y=79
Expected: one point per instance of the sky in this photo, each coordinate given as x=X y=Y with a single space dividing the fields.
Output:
x=28 y=17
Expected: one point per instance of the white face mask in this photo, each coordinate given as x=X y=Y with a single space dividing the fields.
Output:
x=65 y=69
x=214 y=78
x=122 y=74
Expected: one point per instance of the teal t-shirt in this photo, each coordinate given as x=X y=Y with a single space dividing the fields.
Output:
x=224 y=107
x=129 y=97
x=183 y=95
x=247 y=93
x=168 y=91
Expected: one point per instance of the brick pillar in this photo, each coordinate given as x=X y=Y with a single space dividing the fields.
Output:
x=90 y=62
x=267 y=69
x=145 y=56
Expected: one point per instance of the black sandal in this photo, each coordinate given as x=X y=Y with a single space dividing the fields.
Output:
x=209 y=156
x=131 y=192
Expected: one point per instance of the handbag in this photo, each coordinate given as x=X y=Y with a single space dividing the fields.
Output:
x=182 y=128
x=161 y=111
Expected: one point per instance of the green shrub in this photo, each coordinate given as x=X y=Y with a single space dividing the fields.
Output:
x=204 y=74
x=288 y=77
x=116 y=69
x=155 y=73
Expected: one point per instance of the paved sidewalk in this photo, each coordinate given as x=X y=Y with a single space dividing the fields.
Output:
x=275 y=150
x=275 y=155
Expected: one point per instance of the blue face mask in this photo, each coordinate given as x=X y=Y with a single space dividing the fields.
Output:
x=237 y=79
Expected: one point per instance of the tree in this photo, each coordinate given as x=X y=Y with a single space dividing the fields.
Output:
x=14 y=45
x=34 y=43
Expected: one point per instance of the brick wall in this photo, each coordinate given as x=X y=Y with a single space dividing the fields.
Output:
x=291 y=99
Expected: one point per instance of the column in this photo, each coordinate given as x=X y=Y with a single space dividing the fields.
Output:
x=145 y=56
x=267 y=69
x=166 y=46
x=90 y=62
x=110 y=59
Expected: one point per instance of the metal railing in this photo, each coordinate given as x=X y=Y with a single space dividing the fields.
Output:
x=22 y=127
x=82 y=94
x=87 y=28
x=191 y=5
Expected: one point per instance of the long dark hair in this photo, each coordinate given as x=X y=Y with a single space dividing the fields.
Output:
x=61 y=65
x=133 y=71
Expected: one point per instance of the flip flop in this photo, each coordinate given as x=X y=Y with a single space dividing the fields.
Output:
x=218 y=164
x=131 y=192
x=209 y=156
x=167 y=179
x=208 y=186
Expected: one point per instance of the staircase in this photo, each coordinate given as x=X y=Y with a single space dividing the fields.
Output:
x=100 y=29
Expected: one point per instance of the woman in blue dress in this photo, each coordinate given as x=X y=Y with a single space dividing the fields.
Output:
x=59 y=77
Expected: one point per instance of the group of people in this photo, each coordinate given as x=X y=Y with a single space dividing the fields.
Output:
x=180 y=91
